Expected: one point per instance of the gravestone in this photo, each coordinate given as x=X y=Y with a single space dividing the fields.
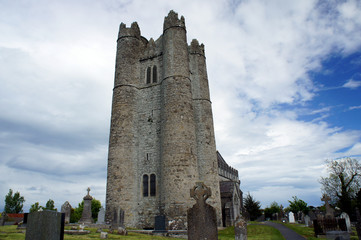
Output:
x=358 y=223
x=66 y=208
x=159 y=224
x=86 y=216
x=347 y=220
x=202 y=219
x=291 y=217
x=240 y=229
x=101 y=215
x=45 y=225
x=307 y=220
x=3 y=219
x=329 y=210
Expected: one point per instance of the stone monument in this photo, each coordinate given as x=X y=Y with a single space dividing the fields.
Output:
x=291 y=217
x=86 y=217
x=202 y=219
x=347 y=221
x=240 y=229
x=45 y=225
x=101 y=215
x=329 y=211
x=66 y=208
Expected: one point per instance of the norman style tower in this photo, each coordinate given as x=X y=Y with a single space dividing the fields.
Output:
x=161 y=136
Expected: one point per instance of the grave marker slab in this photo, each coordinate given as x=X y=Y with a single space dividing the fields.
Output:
x=291 y=217
x=86 y=216
x=101 y=215
x=240 y=229
x=45 y=225
x=202 y=219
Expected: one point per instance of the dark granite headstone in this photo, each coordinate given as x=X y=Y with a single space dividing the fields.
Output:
x=202 y=218
x=45 y=225
x=159 y=224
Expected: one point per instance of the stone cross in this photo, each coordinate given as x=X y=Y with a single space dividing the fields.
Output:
x=88 y=190
x=202 y=219
x=86 y=216
x=329 y=210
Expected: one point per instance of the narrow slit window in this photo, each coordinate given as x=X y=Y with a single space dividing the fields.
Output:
x=148 y=74
x=152 y=185
x=155 y=74
x=145 y=185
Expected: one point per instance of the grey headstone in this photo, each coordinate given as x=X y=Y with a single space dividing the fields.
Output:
x=86 y=216
x=347 y=220
x=66 y=208
x=45 y=225
x=101 y=215
x=330 y=212
x=240 y=229
x=307 y=220
x=3 y=218
x=202 y=219
x=291 y=217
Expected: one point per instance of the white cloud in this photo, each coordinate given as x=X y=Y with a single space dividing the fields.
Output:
x=352 y=84
x=57 y=69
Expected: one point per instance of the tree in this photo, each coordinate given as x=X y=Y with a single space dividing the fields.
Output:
x=343 y=182
x=14 y=204
x=298 y=205
x=252 y=207
x=50 y=205
x=272 y=209
x=35 y=207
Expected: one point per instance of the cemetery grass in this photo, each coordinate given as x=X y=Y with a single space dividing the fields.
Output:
x=254 y=232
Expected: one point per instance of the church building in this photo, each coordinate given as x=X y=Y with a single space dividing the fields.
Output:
x=162 y=136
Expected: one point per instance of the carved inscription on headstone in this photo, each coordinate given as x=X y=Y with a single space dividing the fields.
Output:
x=202 y=219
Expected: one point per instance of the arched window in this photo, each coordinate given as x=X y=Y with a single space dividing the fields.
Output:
x=148 y=74
x=155 y=74
x=152 y=185
x=145 y=185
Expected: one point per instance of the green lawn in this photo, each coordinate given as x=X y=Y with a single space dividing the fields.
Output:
x=255 y=232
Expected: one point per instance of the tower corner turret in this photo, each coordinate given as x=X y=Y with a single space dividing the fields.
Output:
x=196 y=48
x=172 y=20
x=133 y=31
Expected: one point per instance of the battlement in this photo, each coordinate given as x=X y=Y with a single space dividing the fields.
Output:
x=133 y=31
x=195 y=48
x=172 y=20
x=225 y=170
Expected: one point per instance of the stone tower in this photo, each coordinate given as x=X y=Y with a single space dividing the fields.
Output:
x=161 y=136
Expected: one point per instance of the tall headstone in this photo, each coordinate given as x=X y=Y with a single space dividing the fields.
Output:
x=45 y=225
x=329 y=211
x=240 y=229
x=66 y=208
x=347 y=220
x=291 y=217
x=3 y=218
x=101 y=215
x=86 y=216
x=202 y=219
x=307 y=220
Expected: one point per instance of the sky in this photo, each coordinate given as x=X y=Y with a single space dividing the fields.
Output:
x=285 y=84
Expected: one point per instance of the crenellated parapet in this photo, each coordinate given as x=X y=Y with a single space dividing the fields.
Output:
x=195 y=48
x=172 y=20
x=133 y=31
